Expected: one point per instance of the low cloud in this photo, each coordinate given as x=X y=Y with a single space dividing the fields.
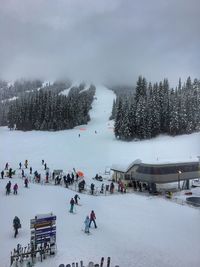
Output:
x=99 y=41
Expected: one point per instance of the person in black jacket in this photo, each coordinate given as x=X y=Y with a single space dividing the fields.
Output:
x=8 y=187
x=92 y=188
x=2 y=174
x=71 y=205
x=10 y=173
x=16 y=225
x=76 y=197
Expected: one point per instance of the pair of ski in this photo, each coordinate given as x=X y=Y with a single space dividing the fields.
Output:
x=107 y=263
x=91 y=264
x=73 y=265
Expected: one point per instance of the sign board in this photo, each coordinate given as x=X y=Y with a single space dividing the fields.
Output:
x=40 y=222
x=58 y=172
x=44 y=229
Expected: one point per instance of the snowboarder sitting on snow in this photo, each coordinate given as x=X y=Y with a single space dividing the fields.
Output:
x=16 y=225
x=87 y=223
x=57 y=180
x=76 y=197
x=98 y=177
x=15 y=188
x=92 y=219
x=71 y=205
x=8 y=187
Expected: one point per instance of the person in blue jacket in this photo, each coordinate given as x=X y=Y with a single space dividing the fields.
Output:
x=87 y=223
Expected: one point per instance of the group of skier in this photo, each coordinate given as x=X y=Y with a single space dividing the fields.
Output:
x=88 y=219
x=68 y=179
x=8 y=188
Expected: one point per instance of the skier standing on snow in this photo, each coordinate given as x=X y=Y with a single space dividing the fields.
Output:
x=42 y=162
x=31 y=170
x=102 y=189
x=87 y=223
x=77 y=176
x=16 y=225
x=45 y=166
x=47 y=177
x=112 y=188
x=71 y=205
x=6 y=166
x=92 y=188
x=92 y=219
x=20 y=165
x=76 y=197
x=26 y=164
x=2 y=174
x=10 y=173
x=26 y=182
x=15 y=188
x=8 y=187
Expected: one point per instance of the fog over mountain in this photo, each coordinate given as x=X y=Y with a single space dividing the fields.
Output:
x=101 y=41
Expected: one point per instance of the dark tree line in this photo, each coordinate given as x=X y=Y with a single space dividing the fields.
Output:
x=154 y=109
x=21 y=88
x=48 y=110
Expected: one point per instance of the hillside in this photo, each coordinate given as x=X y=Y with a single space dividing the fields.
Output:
x=134 y=230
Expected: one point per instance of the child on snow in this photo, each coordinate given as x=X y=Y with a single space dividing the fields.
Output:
x=87 y=223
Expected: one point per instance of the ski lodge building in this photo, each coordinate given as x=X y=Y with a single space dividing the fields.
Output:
x=157 y=173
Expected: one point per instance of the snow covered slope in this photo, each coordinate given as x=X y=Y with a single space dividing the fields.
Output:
x=134 y=230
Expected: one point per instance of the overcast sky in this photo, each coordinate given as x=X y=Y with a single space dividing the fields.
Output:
x=100 y=40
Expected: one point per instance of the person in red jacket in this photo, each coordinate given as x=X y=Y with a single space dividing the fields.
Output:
x=92 y=219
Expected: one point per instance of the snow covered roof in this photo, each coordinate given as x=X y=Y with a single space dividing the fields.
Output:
x=171 y=161
x=125 y=168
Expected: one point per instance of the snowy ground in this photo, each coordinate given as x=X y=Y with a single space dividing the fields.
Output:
x=134 y=230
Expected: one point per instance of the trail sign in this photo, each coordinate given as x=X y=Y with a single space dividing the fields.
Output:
x=44 y=230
